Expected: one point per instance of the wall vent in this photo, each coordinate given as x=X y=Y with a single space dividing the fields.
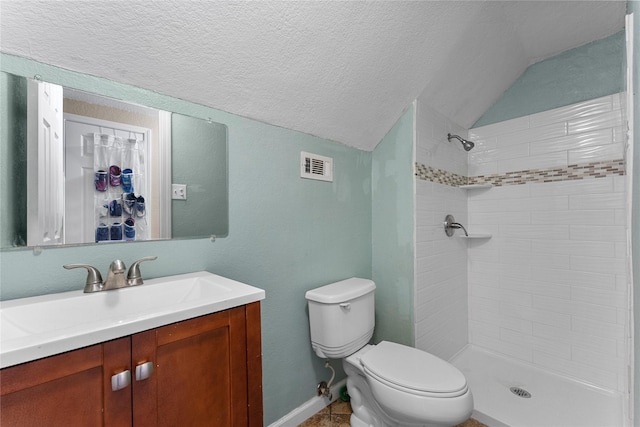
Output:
x=313 y=166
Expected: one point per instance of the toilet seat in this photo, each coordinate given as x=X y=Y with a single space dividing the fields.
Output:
x=413 y=371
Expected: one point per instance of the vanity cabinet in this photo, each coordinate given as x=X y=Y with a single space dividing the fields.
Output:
x=69 y=389
x=205 y=371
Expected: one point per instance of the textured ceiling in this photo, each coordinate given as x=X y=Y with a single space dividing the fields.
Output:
x=341 y=70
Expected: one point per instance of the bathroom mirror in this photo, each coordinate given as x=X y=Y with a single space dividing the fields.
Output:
x=80 y=168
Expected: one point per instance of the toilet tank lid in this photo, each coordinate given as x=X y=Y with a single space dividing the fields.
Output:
x=342 y=291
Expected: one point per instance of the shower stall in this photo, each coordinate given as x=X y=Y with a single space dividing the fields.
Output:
x=534 y=305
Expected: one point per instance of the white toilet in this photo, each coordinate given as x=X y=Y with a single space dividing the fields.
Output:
x=389 y=384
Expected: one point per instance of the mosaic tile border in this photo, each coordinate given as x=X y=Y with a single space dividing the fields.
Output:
x=427 y=173
x=571 y=172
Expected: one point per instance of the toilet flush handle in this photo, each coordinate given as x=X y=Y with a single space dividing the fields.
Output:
x=346 y=306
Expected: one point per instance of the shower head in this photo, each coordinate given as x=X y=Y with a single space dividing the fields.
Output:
x=467 y=145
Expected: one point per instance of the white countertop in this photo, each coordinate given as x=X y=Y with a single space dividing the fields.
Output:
x=41 y=326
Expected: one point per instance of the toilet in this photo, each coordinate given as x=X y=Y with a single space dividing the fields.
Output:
x=389 y=384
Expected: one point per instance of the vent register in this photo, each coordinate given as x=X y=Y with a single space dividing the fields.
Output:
x=314 y=166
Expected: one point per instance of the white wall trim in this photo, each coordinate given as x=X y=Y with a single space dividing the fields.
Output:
x=164 y=163
x=309 y=408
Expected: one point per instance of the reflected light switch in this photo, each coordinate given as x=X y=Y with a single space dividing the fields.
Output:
x=179 y=191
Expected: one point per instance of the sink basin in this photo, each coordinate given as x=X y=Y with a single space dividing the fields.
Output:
x=36 y=327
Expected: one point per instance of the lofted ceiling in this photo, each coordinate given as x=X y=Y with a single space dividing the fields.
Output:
x=341 y=70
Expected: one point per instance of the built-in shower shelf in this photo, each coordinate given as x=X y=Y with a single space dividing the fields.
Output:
x=476 y=236
x=475 y=186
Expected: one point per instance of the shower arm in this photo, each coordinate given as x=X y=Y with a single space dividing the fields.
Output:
x=459 y=138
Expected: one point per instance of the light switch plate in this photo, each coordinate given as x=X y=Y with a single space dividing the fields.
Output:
x=179 y=191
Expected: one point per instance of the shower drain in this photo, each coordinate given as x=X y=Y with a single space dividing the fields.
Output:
x=520 y=392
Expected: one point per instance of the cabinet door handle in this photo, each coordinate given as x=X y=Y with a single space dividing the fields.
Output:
x=144 y=371
x=121 y=380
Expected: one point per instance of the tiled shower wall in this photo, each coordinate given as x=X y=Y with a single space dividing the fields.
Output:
x=440 y=314
x=550 y=286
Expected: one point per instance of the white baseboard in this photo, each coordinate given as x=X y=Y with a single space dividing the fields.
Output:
x=309 y=408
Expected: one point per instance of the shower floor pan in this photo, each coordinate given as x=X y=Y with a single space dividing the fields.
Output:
x=508 y=393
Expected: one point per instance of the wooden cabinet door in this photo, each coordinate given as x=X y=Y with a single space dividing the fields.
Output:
x=70 y=389
x=205 y=371
x=200 y=373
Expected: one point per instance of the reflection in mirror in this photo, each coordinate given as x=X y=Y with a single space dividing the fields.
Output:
x=81 y=168
x=203 y=204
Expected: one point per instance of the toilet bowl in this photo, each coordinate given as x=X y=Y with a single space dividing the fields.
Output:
x=389 y=384
x=410 y=387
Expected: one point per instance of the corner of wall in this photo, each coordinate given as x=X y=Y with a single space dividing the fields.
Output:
x=393 y=231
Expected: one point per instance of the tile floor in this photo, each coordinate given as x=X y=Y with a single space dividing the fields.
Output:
x=337 y=415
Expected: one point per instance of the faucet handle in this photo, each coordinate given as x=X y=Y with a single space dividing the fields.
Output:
x=134 y=277
x=94 y=279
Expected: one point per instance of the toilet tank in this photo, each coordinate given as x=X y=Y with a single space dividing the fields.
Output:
x=341 y=317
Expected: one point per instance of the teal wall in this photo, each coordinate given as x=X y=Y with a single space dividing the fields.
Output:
x=579 y=74
x=286 y=234
x=392 y=183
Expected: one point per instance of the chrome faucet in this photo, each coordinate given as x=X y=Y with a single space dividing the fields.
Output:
x=115 y=276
